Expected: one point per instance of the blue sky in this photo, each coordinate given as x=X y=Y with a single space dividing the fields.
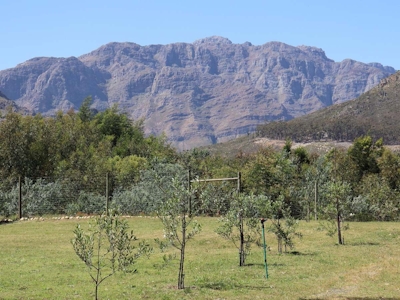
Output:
x=366 y=31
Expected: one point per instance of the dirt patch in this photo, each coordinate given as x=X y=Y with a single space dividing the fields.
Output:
x=313 y=147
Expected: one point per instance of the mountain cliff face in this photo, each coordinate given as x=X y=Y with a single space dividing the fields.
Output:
x=201 y=93
x=7 y=104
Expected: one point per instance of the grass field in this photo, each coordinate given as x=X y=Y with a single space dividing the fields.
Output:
x=37 y=261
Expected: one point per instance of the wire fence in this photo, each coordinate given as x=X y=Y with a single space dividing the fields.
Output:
x=27 y=197
x=93 y=195
x=45 y=196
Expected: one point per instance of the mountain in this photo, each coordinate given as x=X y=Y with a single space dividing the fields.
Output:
x=3 y=98
x=201 y=93
x=374 y=113
x=6 y=103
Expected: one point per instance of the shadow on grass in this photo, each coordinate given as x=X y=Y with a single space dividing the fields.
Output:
x=262 y=265
x=252 y=265
x=302 y=253
x=364 y=244
x=5 y=222
x=225 y=286
x=219 y=286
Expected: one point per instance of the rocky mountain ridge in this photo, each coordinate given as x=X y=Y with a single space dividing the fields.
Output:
x=206 y=92
x=373 y=113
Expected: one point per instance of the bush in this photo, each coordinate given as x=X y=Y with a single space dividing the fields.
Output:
x=87 y=203
x=38 y=198
x=9 y=203
x=135 y=201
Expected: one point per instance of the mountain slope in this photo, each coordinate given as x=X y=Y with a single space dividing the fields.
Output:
x=6 y=103
x=201 y=93
x=374 y=112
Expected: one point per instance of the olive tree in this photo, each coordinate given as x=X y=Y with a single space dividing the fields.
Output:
x=178 y=221
x=337 y=207
x=107 y=248
x=240 y=224
x=283 y=224
x=167 y=193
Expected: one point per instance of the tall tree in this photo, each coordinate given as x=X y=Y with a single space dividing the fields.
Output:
x=389 y=166
x=85 y=113
x=365 y=153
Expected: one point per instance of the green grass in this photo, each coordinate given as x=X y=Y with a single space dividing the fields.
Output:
x=37 y=262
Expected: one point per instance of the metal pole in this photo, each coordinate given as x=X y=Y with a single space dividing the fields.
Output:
x=315 y=200
x=190 y=196
x=107 y=193
x=239 y=185
x=19 y=198
x=265 y=248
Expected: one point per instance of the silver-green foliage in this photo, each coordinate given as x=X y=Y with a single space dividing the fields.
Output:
x=378 y=201
x=215 y=200
x=311 y=187
x=240 y=224
x=178 y=219
x=283 y=224
x=107 y=247
x=134 y=201
x=175 y=204
x=337 y=208
x=147 y=195
x=9 y=202
x=38 y=198
x=87 y=203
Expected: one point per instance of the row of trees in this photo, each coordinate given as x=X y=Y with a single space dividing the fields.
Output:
x=86 y=145
x=77 y=144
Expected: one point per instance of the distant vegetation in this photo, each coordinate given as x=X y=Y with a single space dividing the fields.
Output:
x=77 y=144
x=84 y=146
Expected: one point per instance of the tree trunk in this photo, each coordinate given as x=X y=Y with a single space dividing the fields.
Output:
x=279 y=245
x=339 y=226
x=241 y=251
x=316 y=199
x=280 y=248
x=96 y=292
x=339 y=230
x=181 y=275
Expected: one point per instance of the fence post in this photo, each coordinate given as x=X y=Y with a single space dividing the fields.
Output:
x=107 y=192
x=265 y=248
x=315 y=199
x=239 y=182
x=190 y=196
x=19 y=198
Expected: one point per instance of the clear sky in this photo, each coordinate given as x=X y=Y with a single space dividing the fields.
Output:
x=363 y=30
